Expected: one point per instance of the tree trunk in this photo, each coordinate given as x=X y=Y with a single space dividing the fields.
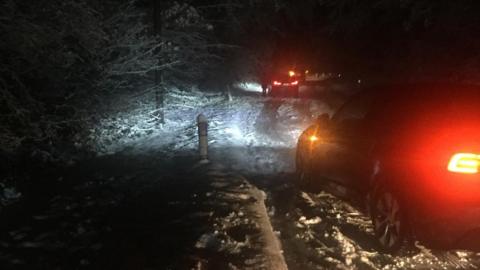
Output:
x=159 y=83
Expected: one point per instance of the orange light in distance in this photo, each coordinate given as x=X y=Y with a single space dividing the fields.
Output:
x=464 y=163
x=313 y=138
x=291 y=73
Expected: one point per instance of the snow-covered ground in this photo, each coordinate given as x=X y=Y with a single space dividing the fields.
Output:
x=138 y=196
x=258 y=128
x=320 y=231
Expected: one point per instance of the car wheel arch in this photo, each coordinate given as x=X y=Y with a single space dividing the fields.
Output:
x=382 y=181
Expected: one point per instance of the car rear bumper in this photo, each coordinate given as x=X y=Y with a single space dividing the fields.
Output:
x=284 y=90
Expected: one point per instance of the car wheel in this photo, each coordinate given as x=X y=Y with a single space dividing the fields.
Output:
x=303 y=180
x=388 y=219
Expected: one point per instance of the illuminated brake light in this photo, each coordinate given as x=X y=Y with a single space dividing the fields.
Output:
x=464 y=163
x=277 y=83
x=294 y=83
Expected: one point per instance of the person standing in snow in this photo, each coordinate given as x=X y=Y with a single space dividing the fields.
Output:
x=264 y=81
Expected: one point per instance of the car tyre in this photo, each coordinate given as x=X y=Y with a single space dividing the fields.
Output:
x=303 y=179
x=388 y=218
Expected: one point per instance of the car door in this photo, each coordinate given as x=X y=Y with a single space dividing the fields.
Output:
x=350 y=142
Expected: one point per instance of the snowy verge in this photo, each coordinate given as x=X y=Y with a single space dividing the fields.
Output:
x=238 y=121
x=242 y=236
x=135 y=123
x=175 y=216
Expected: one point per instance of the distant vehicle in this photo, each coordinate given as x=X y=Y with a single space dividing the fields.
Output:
x=410 y=154
x=285 y=84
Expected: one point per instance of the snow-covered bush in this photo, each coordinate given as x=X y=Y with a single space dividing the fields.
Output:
x=8 y=195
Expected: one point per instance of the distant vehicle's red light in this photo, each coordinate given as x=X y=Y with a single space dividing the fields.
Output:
x=277 y=83
x=464 y=163
x=294 y=83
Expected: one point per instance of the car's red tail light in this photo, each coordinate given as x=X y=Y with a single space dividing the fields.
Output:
x=277 y=83
x=464 y=163
x=294 y=83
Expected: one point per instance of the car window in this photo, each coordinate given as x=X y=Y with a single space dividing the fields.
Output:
x=355 y=109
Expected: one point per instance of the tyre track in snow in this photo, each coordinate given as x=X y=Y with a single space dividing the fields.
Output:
x=321 y=231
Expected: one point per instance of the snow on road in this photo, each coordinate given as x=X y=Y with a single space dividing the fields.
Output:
x=258 y=133
x=320 y=231
x=243 y=237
